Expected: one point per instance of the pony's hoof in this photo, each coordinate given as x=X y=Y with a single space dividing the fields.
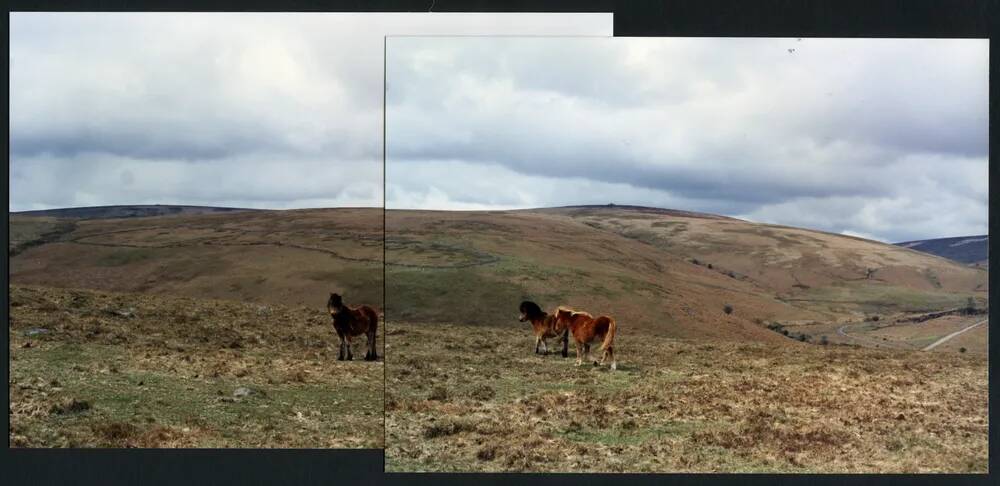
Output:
x=614 y=367
x=596 y=363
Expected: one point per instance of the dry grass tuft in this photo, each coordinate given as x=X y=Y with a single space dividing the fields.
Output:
x=70 y=406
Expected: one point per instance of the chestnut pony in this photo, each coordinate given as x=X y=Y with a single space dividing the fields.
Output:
x=350 y=322
x=543 y=326
x=585 y=328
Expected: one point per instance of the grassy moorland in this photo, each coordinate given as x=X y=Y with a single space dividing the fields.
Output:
x=194 y=330
x=475 y=398
x=98 y=369
x=730 y=357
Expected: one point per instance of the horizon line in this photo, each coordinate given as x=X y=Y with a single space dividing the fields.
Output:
x=570 y=206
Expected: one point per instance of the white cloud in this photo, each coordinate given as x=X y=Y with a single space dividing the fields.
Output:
x=845 y=135
x=249 y=109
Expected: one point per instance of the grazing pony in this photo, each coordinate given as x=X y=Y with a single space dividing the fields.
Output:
x=350 y=322
x=585 y=328
x=543 y=326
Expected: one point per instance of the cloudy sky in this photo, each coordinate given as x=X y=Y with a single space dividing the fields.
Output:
x=880 y=138
x=248 y=110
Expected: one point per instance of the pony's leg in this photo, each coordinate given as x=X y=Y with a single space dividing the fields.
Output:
x=341 y=355
x=579 y=354
x=545 y=347
x=586 y=352
x=538 y=341
x=565 y=341
x=350 y=356
x=370 y=346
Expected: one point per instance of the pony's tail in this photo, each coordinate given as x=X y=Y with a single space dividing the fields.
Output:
x=609 y=338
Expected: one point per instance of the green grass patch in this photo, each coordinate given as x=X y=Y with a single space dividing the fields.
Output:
x=783 y=240
x=358 y=284
x=139 y=398
x=632 y=435
x=28 y=232
x=465 y=295
x=673 y=228
x=879 y=298
x=631 y=285
x=594 y=381
x=436 y=253
x=126 y=256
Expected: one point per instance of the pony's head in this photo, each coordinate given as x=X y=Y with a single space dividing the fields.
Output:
x=335 y=303
x=530 y=310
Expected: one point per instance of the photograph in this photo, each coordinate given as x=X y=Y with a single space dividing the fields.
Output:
x=196 y=225
x=686 y=255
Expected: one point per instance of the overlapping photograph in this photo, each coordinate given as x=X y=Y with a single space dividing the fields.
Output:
x=686 y=255
x=196 y=225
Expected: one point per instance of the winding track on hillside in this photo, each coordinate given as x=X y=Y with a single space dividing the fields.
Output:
x=887 y=344
x=956 y=333
x=842 y=331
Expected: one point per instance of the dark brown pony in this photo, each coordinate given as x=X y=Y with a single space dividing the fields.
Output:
x=543 y=326
x=585 y=328
x=350 y=322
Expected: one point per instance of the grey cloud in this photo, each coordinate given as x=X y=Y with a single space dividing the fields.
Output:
x=250 y=109
x=740 y=126
x=144 y=140
x=96 y=179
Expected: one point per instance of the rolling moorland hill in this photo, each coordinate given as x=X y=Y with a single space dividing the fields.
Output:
x=670 y=272
x=963 y=249
x=291 y=258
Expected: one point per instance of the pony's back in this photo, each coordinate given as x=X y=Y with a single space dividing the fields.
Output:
x=372 y=316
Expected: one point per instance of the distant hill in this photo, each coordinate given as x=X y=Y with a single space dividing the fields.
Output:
x=287 y=257
x=128 y=211
x=963 y=249
x=667 y=271
x=670 y=272
x=582 y=209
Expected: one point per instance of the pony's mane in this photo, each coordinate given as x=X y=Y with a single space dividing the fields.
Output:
x=532 y=310
x=572 y=312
